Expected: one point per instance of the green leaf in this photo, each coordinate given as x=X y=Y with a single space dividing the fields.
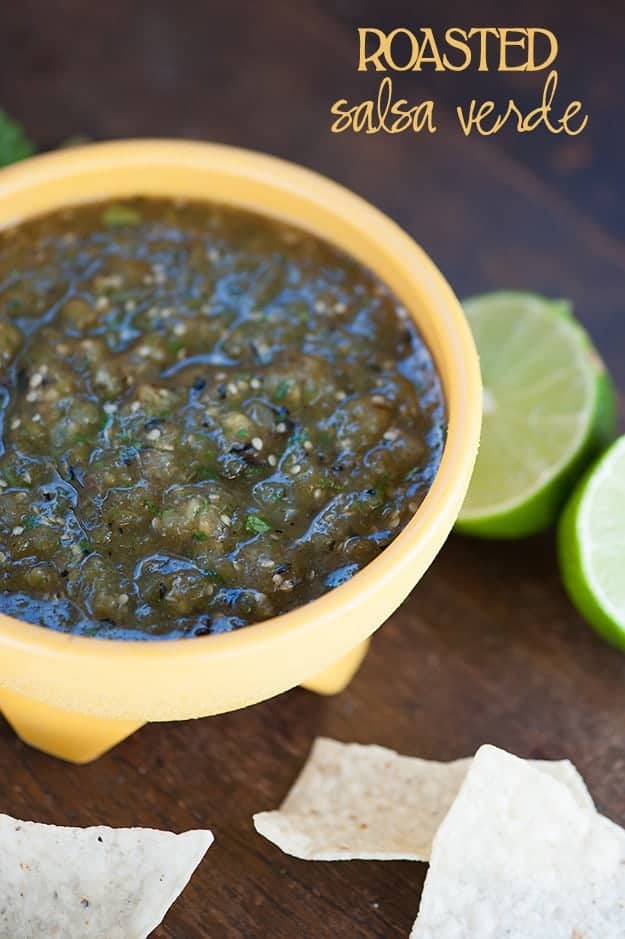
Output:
x=14 y=144
x=117 y=215
x=199 y=536
x=257 y=525
x=282 y=389
x=413 y=473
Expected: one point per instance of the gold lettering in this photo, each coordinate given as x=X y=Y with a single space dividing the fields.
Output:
x=572 y=110
x=532 y=66
x=429 y=45
x=456 y=38
x=540 y=115
x=364 y=58
x=414 y=49
x=483 y=32
x=385 y=97
x=505 y=43
x=481 y=48
x=476 y=115
x=363 y=117
x=383 y=114
x=344 y=116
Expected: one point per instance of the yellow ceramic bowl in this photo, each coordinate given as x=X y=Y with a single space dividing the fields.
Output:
x=75 y=696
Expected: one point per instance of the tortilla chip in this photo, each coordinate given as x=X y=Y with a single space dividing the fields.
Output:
x=91 y=883
x=518 y=856
x=367 y=802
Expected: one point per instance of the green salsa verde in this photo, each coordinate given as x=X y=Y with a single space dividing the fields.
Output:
x=207 y=418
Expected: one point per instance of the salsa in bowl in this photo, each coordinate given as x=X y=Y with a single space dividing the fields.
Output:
x=76 y=695
x=210 y=418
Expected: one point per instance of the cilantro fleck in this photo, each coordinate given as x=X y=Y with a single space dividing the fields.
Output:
x=327 y=482
x=199 y=536
x=257 y=525
x=413 y=474
x=116 y=216
x=281 y=389
x=204 y=506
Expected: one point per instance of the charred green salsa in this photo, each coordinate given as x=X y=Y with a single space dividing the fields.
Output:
x=206 y=419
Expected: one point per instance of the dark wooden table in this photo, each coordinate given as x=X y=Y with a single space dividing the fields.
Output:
x=487 y=648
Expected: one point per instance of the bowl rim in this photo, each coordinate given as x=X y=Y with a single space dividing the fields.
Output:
x=462 y=394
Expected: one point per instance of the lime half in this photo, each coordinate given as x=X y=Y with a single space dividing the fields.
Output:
x=591 y=544
x=549 y=405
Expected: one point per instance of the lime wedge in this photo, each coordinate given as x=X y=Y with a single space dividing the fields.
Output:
x=549 y=405
x=591 y=545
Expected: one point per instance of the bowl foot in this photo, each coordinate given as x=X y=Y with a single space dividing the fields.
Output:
x=77 y=738
x=336 y=677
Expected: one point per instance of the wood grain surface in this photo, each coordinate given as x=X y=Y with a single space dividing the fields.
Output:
x=487 y=648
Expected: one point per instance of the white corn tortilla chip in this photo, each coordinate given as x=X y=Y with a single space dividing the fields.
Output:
x=517 y=856
x=91 y=883
x=367 y=802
